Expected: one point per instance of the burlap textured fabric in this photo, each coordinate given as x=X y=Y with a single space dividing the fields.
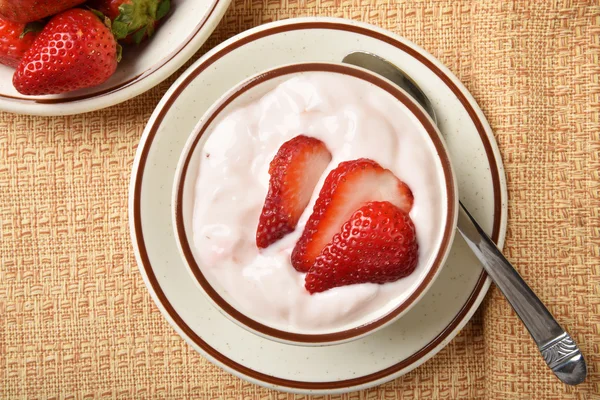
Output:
x=77 y=322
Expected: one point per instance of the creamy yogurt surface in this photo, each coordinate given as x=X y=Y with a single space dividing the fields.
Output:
x=355 y=119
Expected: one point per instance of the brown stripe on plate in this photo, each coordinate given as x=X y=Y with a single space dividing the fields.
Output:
x=293 y=384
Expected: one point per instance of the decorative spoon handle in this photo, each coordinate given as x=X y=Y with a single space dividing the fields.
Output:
x=558 y=348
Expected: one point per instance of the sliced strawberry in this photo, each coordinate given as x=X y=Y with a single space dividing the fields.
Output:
x=377 y=244
x=295 y=171
x=346 y=189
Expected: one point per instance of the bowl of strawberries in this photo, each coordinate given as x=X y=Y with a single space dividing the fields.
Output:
x=315 y=203
x=60 y=57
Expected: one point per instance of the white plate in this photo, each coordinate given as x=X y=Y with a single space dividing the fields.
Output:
x=367 y=362
x=180 y=35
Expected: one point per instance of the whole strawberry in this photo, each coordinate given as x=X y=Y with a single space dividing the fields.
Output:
x=377 y=244
x=15 y=39
x=74 y=51
x=32 y=10
x=133 y=20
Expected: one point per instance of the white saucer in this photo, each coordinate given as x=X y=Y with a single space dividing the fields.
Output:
x=378 y=358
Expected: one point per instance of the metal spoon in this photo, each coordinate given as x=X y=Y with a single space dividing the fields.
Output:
x=558 y=348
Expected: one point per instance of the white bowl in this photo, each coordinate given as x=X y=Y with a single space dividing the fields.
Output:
x=180 y=35
x=184 y=194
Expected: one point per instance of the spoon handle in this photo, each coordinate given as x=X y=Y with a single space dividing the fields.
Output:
x=558 y=348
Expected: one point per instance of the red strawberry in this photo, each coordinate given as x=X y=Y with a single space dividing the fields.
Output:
x=32 y=10
x=377 y=244
x=15 y=39
x=75 y=50
x=133 y=20
x=294 y=171
x=346 y=189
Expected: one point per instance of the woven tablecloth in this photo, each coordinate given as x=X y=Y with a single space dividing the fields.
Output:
x=77 y=322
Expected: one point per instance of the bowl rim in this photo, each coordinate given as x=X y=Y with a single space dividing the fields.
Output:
x=128 y=89
x=346 y=335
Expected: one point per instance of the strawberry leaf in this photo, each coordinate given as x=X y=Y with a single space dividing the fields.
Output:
x=137 y=18
x=119 y=52
x=137 y=14
x=150 y=29
x=126 y=13
x=163 y=9
x=32 y=27
x=120 y=29
x=138 y=36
